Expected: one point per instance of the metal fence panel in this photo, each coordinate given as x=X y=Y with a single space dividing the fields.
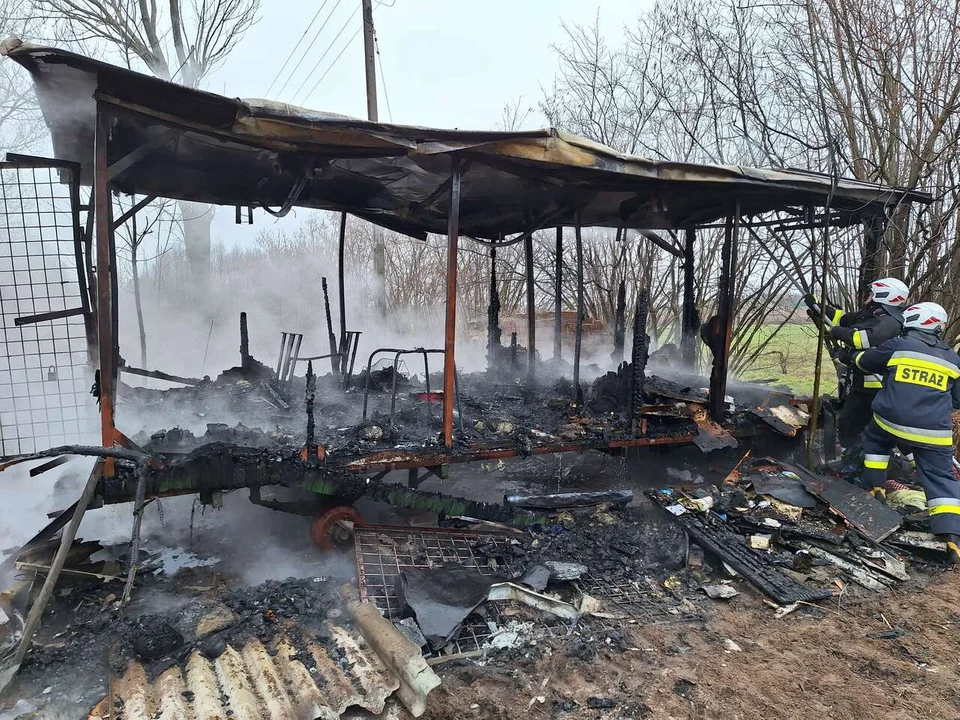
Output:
x=45 y=371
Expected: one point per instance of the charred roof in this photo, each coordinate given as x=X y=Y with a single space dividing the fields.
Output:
x=195 y=145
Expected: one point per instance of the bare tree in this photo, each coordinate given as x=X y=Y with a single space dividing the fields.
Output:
x=778 y=84
x=177 y=41
x=156 y=220
x=20 y=125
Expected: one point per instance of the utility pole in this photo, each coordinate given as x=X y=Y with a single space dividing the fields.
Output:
x=379 y=251
x=369 y=60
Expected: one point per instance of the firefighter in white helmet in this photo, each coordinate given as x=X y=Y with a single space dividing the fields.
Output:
x=879 y=320
x=921 y=388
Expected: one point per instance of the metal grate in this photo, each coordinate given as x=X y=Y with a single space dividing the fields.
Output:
x=383 y=551
x=639 y=600
x=45 y=376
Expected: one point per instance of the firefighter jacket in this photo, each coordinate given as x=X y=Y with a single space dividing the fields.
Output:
x=869 y=327
x=920 y=387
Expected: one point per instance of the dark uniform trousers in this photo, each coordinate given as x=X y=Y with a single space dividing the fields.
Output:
x=921 y=387
x=934 y=469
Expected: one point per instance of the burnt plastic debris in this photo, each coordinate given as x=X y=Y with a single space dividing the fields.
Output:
x=156 y=640
x=600 y=703
x=784 y=488
x=569 y=500
x=754 y=566
x=867 y=514
x=536 y=577
x=441 y=598
x=565 y=571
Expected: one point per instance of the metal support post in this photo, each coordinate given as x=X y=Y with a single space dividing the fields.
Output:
x=724 y=324
x=342 y=292
x=106 y=340
x=450 y=329
x=690 y=320
x=494 y=332
x=579 y=336
x=531 y=313
x=558 y=298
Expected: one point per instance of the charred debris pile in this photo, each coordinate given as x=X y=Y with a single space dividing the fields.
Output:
x=597 y=566
x=395 y=402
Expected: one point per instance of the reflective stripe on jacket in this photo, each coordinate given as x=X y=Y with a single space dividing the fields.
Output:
x=920 y=387
x=869 y=327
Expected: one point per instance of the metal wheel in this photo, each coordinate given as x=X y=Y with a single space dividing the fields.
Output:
x=333 y=527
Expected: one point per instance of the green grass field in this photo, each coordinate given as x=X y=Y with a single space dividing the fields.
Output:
x=790 y=359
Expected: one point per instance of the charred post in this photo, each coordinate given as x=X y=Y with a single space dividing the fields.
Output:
x=494 y=332
x=309 y=398
x=531 y=313
x=342 y=294
x=244 y=343
x=620 y=323
x=331 y=337
x=513 y=351
x=558 y=297
x=579 y=333
x=106 y=340
x=639 y=355
x=724 y=320
x=690 y=318
x=450 y=329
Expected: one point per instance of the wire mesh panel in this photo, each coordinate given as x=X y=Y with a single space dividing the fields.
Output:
x=383 y=551
x=45 y=374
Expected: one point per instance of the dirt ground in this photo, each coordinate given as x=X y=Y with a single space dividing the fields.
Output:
x=813 y=663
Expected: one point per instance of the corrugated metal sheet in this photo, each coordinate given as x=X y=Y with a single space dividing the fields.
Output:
x=257 y=682
x=210 y=148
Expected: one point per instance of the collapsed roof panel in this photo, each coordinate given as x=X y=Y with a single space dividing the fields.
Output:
x=199 y=146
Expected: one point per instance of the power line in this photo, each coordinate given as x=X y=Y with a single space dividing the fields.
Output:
x=295 y=48
x=317 y=84
x=329 y=48
x=308 y=48
x=352 y=38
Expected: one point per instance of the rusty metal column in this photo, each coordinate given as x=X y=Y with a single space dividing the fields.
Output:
x=558 y=298
x=531 y=313
x=579 y=337
x=450 y=330
x=342 y=295
x=105 y=305
x=690 y=321
x=724 y=325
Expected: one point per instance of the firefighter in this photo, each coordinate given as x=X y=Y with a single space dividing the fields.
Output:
x=879 y=320
x=921 y=387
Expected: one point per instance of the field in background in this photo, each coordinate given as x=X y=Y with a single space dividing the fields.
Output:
x=790 y=359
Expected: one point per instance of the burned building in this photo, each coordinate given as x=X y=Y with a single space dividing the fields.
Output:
x=118 y=131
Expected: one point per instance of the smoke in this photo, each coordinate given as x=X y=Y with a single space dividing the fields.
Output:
x=247 y=543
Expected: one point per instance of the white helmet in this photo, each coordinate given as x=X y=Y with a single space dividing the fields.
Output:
x=889 y=291
x=926 y=316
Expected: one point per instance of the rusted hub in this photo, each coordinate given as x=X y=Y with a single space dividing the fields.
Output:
x=333 y=528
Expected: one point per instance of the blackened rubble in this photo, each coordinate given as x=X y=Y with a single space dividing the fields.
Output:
x=88 y=627
x=492 y=406
x=614 y=543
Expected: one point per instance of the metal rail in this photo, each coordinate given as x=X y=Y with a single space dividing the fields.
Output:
x=398 y=353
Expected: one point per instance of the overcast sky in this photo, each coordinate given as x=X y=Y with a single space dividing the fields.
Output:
x=445 y=63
